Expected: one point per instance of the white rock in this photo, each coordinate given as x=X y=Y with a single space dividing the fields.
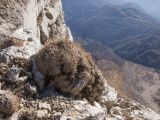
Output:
x=15 y=116
x=146 y=114
x=116 y=110
x=110 y=118
x=109 y=96
x=118 y=117
x=42 y=113
x=83 y=110
x=45 y=106
x=29 y=29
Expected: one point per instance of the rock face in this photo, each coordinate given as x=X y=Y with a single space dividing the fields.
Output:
x=26 y=26
x=30 y=22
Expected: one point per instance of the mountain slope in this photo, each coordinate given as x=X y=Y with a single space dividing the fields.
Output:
x=123 y=27
x=141 y=49
x=110 y=22
x=129 y=79
x=44 y=75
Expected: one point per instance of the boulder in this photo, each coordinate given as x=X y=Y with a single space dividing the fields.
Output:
x=45 y=106
x=42 y=113
x=109 y=97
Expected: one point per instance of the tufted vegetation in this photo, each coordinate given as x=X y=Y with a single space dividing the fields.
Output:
x=70 y=69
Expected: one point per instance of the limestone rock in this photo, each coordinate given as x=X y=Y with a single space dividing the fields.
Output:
x=83 y=110
x=27 y=26
x=70 y=69
x=133 y=110
x=109 y=96
x=15 y=116
x=42 y=113
x=110 y=118
x=45 y=106
x=116 y=110
x=8 y=102
x=25 y=22
x=118 y=117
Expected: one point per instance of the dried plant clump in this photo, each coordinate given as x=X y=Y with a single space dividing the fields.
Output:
x=21 y=62
x=12 y=42
x=27 y=115
x=70 y=69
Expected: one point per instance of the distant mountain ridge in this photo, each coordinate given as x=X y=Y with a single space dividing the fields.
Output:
x=116 y=26
x=141 y=49
x=116 y=35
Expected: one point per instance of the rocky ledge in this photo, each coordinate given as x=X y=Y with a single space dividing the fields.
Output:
x=45 y=76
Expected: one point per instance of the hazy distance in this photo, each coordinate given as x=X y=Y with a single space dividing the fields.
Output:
x=150 y=6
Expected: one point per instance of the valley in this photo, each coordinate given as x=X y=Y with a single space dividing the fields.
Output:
x=124 y=42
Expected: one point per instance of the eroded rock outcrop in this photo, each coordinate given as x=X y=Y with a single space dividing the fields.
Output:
x=30 y=23
x=30 y=85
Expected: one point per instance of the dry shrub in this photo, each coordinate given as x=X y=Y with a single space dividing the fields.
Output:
x=21 y=62
x=3 y=69
x=12 y=42
x=27 y=115
x=70 y=69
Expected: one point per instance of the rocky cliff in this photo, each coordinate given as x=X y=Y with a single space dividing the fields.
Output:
x=28 y=24
x=45 y=76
